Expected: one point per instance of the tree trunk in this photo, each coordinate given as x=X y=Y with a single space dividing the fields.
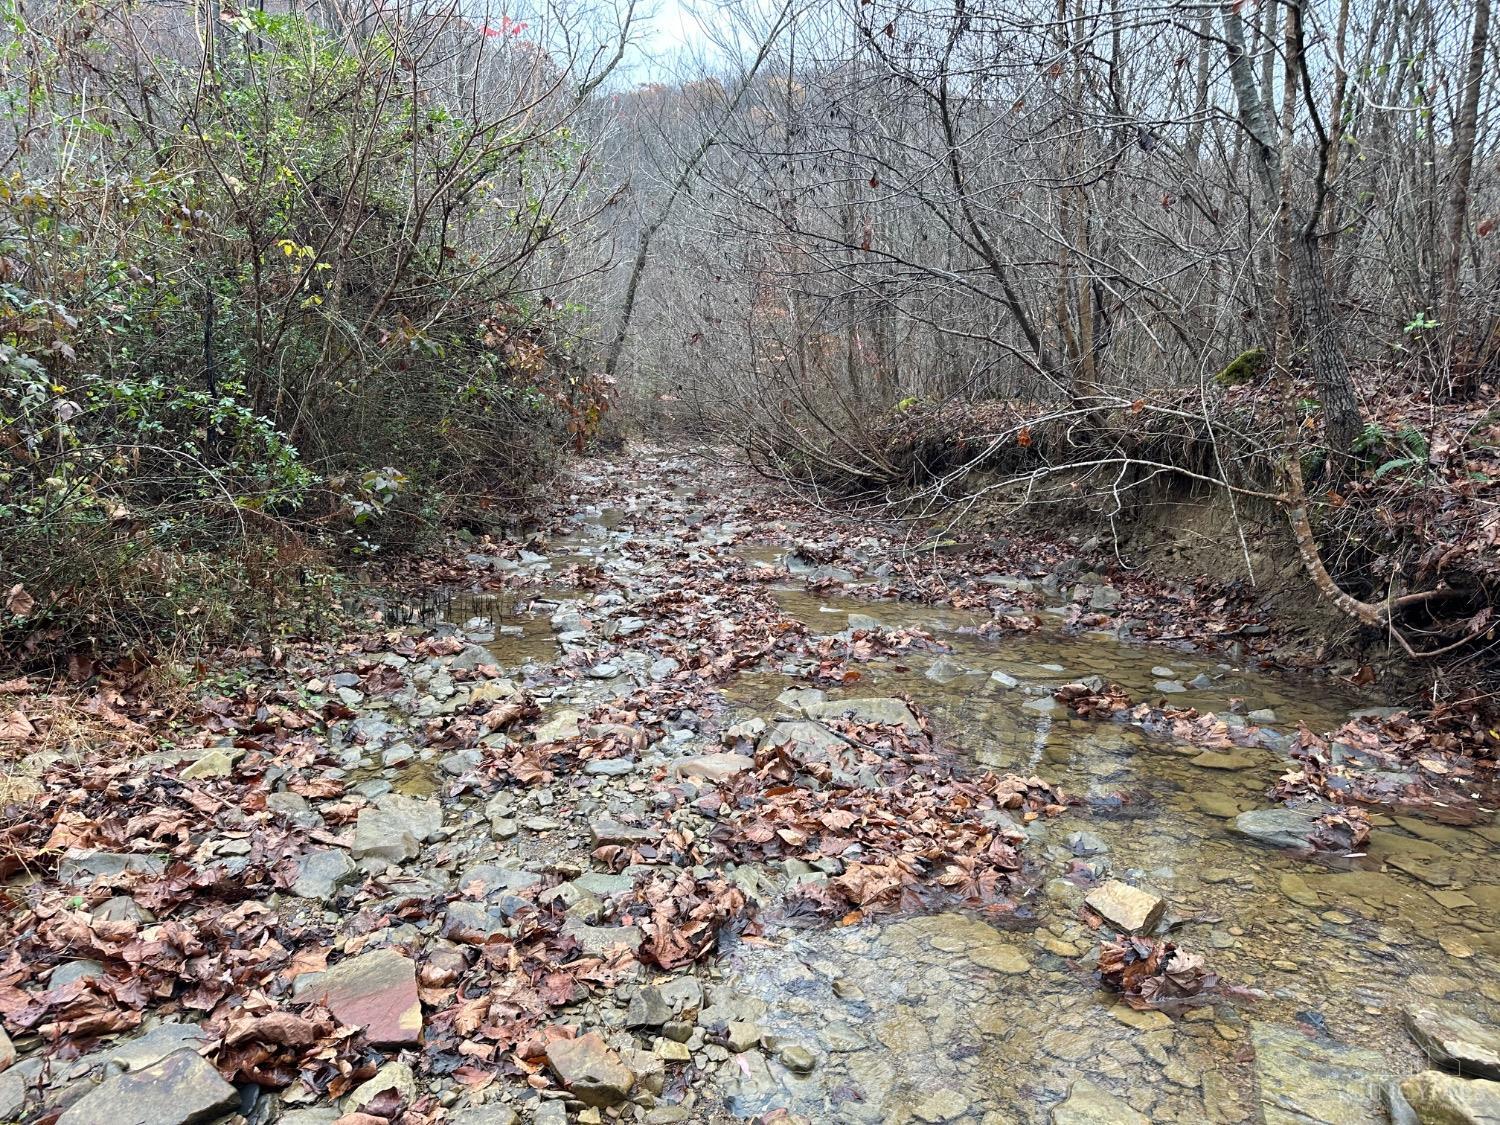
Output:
x=1464 y=132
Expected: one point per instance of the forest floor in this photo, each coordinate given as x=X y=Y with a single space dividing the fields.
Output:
x=701 y=804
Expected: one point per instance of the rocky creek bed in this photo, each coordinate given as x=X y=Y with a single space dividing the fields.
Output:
x=693 y=806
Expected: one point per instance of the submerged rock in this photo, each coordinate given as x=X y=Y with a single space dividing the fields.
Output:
x=1279 y=827
x=1446 y=1099
x=1088 y=1103
x=1302 y=1080
x=1453 y=1040
x=882 y=709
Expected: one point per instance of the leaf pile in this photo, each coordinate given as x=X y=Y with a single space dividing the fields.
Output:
x=1149 y=972
x=917 y=835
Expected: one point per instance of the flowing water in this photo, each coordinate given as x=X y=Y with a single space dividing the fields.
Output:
x=948 y=1018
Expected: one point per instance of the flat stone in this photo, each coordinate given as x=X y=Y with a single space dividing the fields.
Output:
x=79 y=866
x=1004 y=679
x=1446 y=1099
x=149 y=1049
x=1302 y=1080
x=609 y=767
x=648 y=1008
x=712 y=767
x=560 y=727
x=878 y=709
x=1278 y=827
x=375 y=991
x=85 y=968
x=1126 y=908
x=1147 y=1019
x=382 y=837
x=591 y=1071
x=601 y=939
x=606 y=831
x=1453 y=1040
x=1295 y=888
x=1222 y=760
x=394 y=1076
x=215 y=763
x=1088 y=1103
x=1000 y=957
x=944 y=1105
x=321 y=874
x=181 y=1089
x=485 y=1115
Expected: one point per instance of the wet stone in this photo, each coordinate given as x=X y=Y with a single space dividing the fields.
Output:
x=1126 y=908
x=1303 y=1080
x=945 y=1105
x=1446 y=1099
x=1455 y=1041
x=883 y=709
x=1088 y=1103
x=1279 y=827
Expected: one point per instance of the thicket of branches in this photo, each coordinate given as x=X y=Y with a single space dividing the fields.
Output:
x=1073 y=248
x=278 y=284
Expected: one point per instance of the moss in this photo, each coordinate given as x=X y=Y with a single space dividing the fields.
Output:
x=1242 y=368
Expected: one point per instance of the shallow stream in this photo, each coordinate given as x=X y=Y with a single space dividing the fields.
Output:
x=948 y=1018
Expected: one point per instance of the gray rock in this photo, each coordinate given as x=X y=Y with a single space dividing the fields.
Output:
x=488 y=1115
x=1453 y=1040
x=382 y=837
x=322 y=873
x=486 y=880
x=460 y=762
x=560 y=726
x=149 y=1049
x=294 y=808
x=609 y=767
x=122 y=908
x=396 y=1076
x=86 y=866
x=648 y=1008
x=1279 y=827
x=1005 y=679
x=470 y=657
x=797 y=1059
x=181 y=1089
x=1086 y=844
x=1103 y=598
x=607 y=831
x=69 y=971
